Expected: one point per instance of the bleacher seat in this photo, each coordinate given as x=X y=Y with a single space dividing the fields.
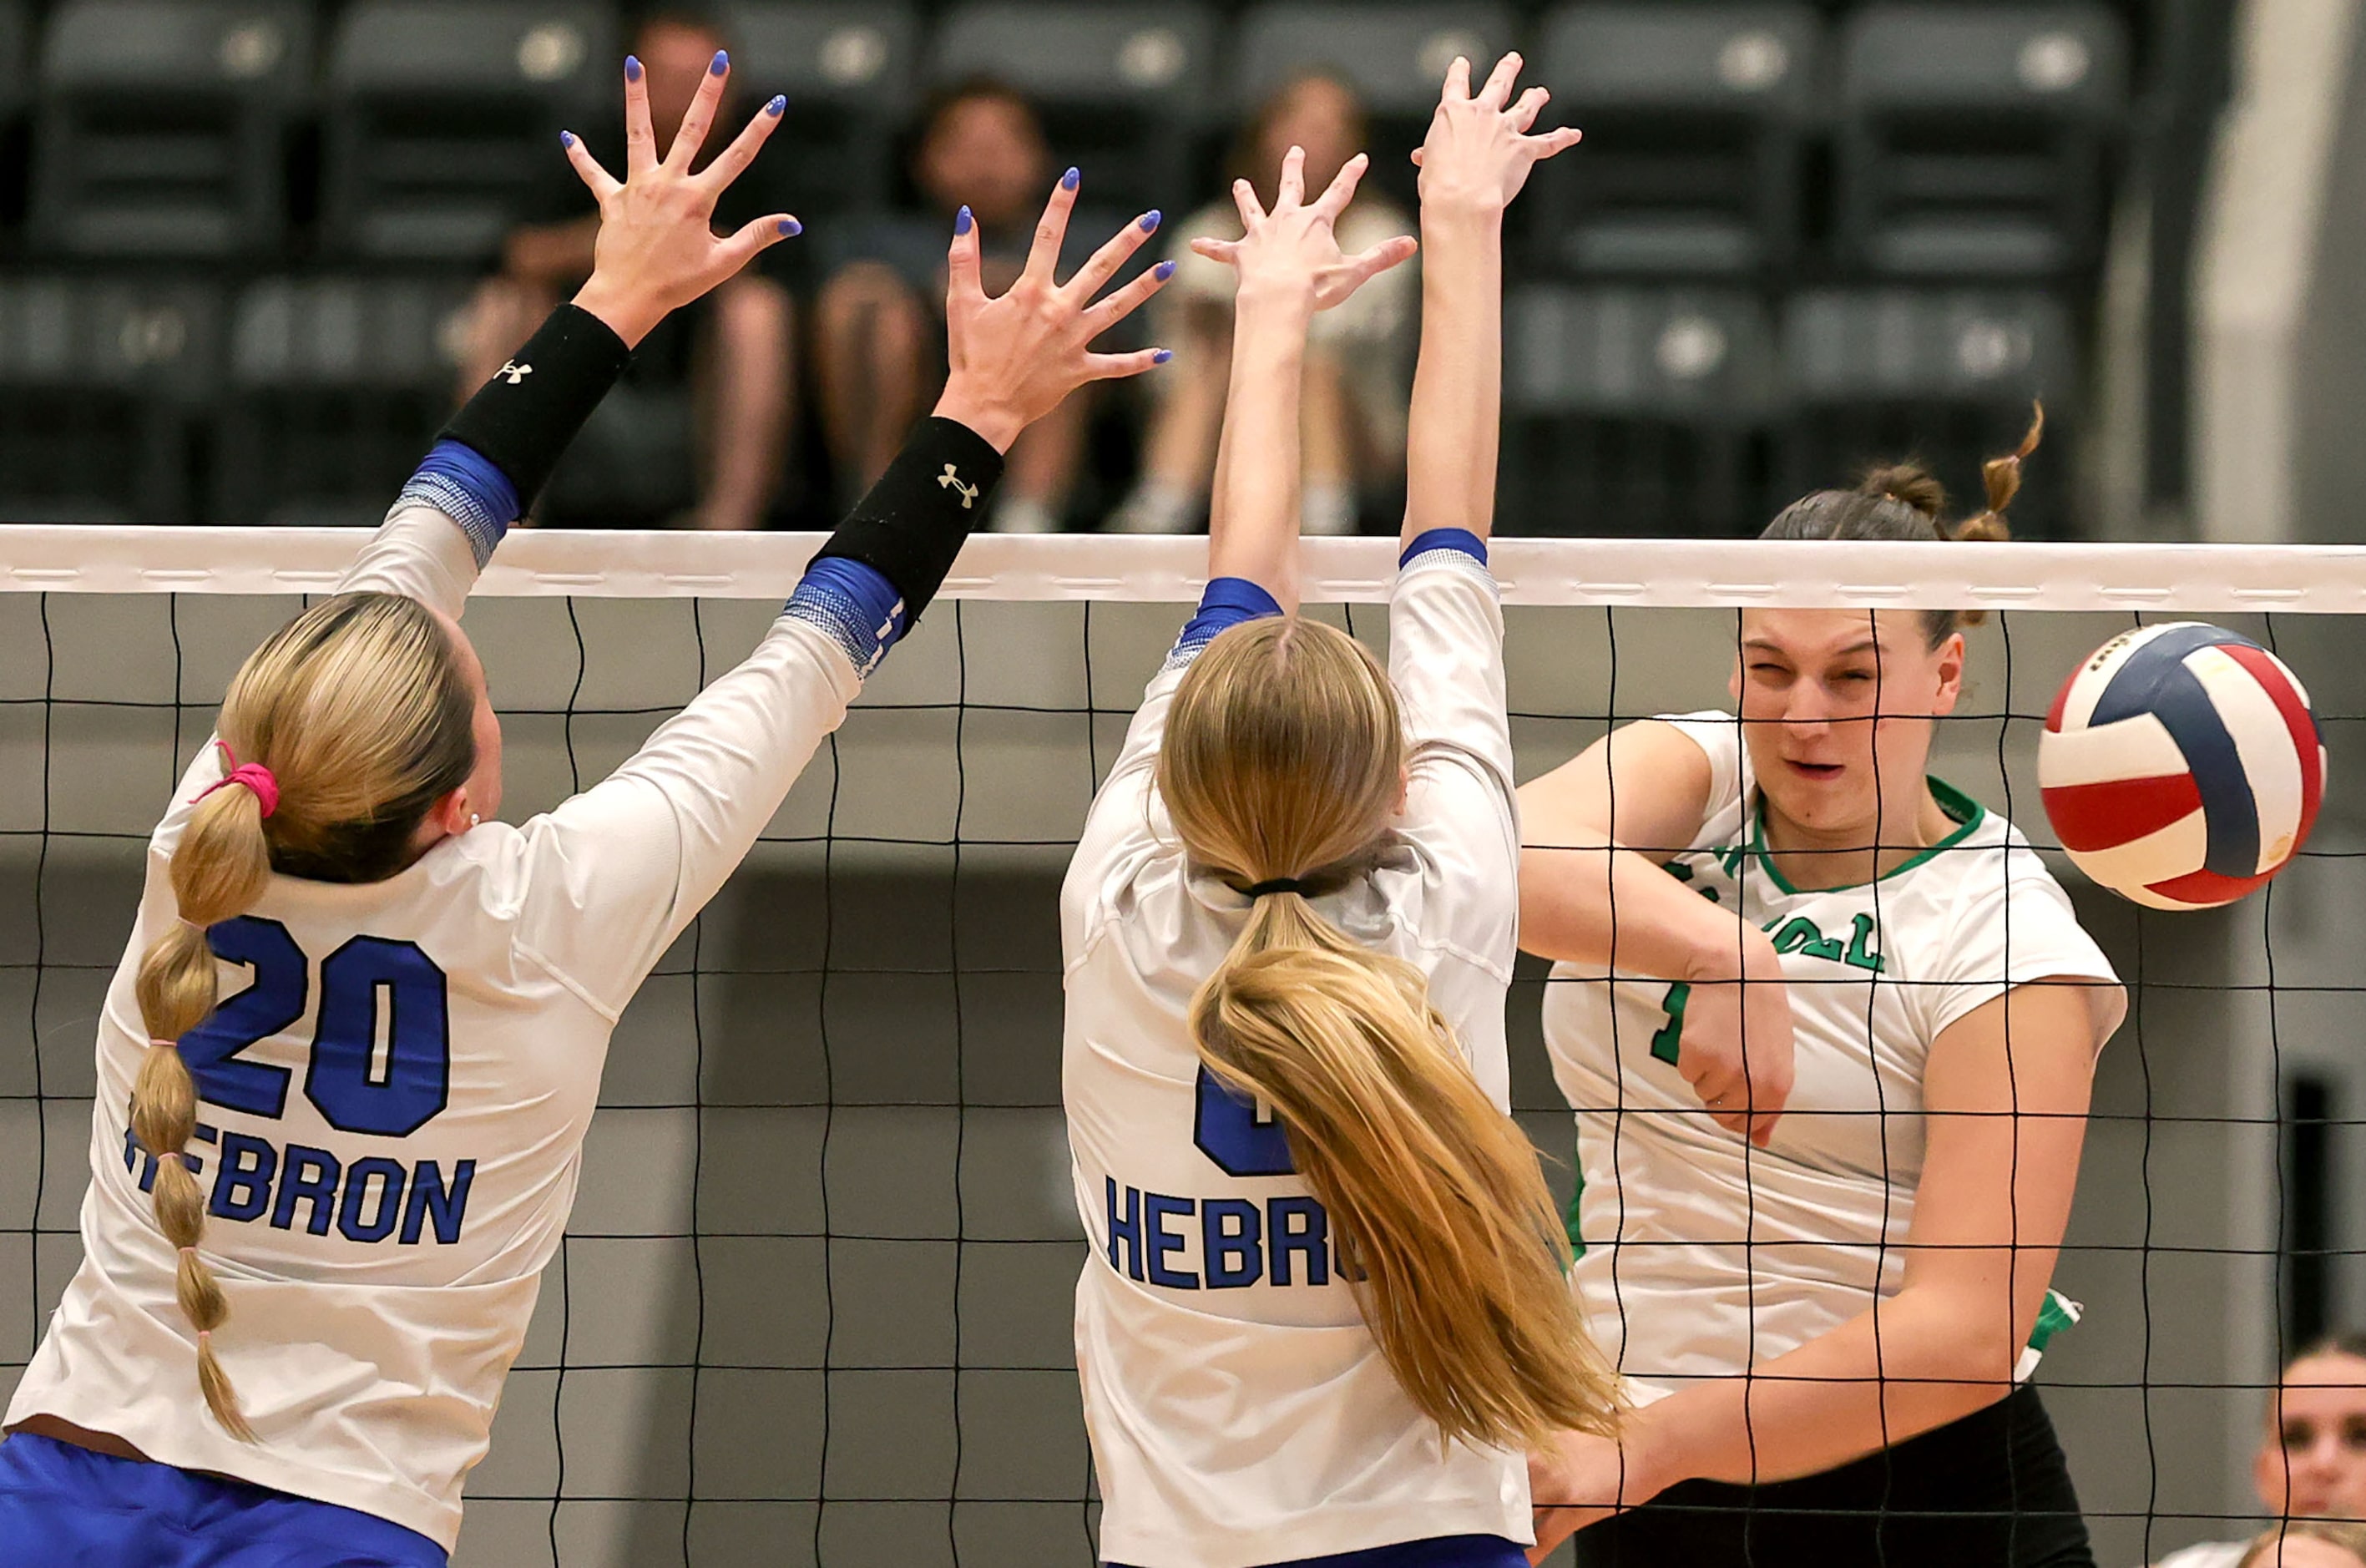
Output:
x=1393 y=54
x=1126 y=89
x=100 y=384
x=1695 y=120
x=441 y=114
x=162 y=127
x=1635 y=410
x=336 y=387
x=1945 y=376
x=848 y=68
x=1972 y=138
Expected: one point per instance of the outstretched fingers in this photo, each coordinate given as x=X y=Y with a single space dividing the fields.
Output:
x=1117 y=367
x=640 y=142
x=1245 y=196
x=1555 y=141
x=733 y=161
x=762 y=234
x=1364 y=265
x=1228 y=251
x=964 y=273
x=700 y=117
x=1458 y=79
x=1498 y=90
x=1291 y=192
x=1052 y=231
x=602 y=184
x=1105 y=262
x=1523 y=114
x=1123 y=303
x=1333 y=201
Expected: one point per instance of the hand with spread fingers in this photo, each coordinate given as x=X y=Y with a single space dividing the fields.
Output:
x=657 y=249
x=1292 y=253
x=1013 y=357
x=1479 y=149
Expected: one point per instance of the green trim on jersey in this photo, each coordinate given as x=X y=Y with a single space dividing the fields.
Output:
x=1576 y=1201
x=1969 y=813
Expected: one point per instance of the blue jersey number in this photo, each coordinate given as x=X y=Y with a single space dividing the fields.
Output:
x=381 y=1052
x=1229 y=1130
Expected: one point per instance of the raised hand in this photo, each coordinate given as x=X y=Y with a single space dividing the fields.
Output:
x=1479 y=152
x=658 y=249
x=1014 y=358
x=1292 y=251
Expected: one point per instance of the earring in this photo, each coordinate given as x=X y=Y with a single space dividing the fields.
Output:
x=473 y=819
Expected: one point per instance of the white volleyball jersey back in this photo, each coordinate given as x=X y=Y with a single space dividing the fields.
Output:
x=1240 y=1411
x=1700 y=1255
x=393 y=1095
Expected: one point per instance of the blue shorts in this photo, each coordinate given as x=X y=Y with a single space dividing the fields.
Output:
x=1443 y=1551
x=64 y=1506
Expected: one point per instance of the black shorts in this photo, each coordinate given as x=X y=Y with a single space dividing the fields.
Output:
x=1990 y=1491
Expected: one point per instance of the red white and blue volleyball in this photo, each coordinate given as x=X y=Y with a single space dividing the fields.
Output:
x=2181 y=766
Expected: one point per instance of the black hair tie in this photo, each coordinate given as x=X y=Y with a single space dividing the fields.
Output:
x=1277 y=885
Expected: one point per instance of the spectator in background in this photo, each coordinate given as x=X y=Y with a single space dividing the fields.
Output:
x=2311 y=1458
x=1359 y=358
x=693 y=436
x=879 y=323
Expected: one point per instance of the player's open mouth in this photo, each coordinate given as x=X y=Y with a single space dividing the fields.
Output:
x=1825 y=771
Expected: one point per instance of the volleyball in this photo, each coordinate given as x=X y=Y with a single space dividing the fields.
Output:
x=2181 y=766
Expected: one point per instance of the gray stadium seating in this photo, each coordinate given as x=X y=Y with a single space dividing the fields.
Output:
x=100 y=383
x=1972 y=137
x=1696 y=120
x=336 y=387
x=161 y=123
x=442 y=114
x=1126 y=89
x=848 y=68
x=1635 y=410
x=1395 y=53
x=1947 y=374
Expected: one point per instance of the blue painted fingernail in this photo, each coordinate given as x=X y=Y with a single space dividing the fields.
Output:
x=1068 y=180
x=780 y=102
x=632 y=68
x=567 y=138
x=1160 y=356
x=1165 y=270
x=719 y=64
x=1150 y=221
x=962 y=221
x=791 y=227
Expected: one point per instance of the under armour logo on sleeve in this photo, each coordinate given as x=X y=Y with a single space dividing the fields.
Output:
x=513 y=372
x=951 y=479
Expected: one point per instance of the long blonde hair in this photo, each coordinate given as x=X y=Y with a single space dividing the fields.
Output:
x=1284 y=760
x=360 y=711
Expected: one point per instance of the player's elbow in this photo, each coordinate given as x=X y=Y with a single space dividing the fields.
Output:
x=1975 y=1343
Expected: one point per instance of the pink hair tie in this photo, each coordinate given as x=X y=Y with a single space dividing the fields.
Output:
x=253 y=775
x=163 y=1044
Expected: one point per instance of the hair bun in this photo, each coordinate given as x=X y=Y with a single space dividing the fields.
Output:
x=1909 y=484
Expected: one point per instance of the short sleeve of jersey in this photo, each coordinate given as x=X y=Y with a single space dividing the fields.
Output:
x=2012 y=928
x=1118 y=831
x=1718 y=734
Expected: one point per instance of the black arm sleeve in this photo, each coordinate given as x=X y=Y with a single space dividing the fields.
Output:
x=912 y=525
x=524 y=417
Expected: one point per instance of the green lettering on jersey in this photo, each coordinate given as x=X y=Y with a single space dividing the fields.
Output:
x=1667 y=1044
x=1860 y=947
x=1802 y=935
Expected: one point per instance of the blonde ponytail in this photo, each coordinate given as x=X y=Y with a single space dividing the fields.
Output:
x=355 y=718
x=1284 y=762
x=220 y=870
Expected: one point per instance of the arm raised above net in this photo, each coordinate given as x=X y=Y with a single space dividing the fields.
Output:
x=1475 y=159
x=656 y=251
x=627 y=864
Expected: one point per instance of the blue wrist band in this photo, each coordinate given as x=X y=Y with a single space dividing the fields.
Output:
x=465 y=486
x=1225 y=604
x=855 y=604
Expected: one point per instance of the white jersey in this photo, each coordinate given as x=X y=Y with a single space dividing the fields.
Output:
x=393 y=1095
x=2209 y=1554
x=1702 y=1256
x=1240 y=1411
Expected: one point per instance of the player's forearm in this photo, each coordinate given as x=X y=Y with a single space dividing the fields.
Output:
x=1457 y=379
x=1254 y=513
x=1932 y=1359
x=1585 y=903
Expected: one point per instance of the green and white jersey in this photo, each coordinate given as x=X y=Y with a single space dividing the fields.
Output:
x=1701 y=1256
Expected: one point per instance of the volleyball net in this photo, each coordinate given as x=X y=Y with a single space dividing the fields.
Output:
x=814 y=1304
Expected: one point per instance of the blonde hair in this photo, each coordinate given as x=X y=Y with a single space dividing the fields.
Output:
x=360 y=710
x=1284 y=760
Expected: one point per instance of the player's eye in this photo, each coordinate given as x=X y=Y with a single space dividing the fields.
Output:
x=2299 y=1434
x=2353 y=1433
